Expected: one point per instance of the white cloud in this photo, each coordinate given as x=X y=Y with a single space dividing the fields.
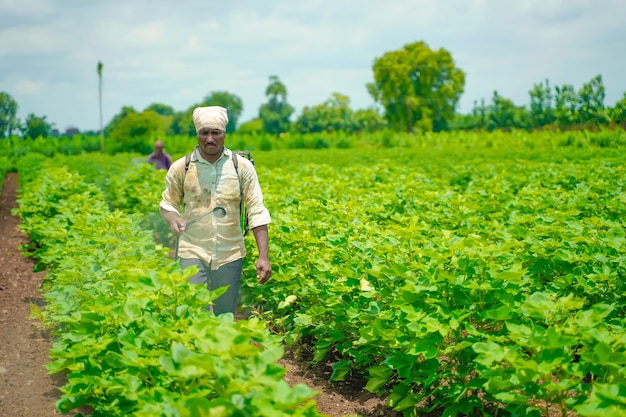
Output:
x=28 y=87
x=27 y=40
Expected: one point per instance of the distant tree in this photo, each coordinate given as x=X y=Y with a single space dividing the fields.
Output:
x=117 y=119
x=135 y=132
x=591 y=102
x=477 y=119
x=505 y=115
x=36 y=126
x=541 y=108
x=565 y=105
x=166 y=114
x=162 y=109
x=182 y=122
x=369 y=120
x=230 y=102
x=276 y=112
x=253 y=126
x=331 y=116
x=418 y=87
x=480 y=112
x=618 y=112
x=8 y=115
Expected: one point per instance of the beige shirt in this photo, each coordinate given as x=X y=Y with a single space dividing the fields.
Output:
x=215 y=240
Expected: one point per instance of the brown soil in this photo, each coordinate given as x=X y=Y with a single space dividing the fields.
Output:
x=26 y=390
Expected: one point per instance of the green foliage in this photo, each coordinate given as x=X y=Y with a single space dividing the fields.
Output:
x=565 y=108
x=117 y=119
x=36 y=126
x=182 y=123
x=265 y=144
x=459 y=273
x=369 y=120
x=618 y=113
x=541 y=107
x=332 y=115
x=30 y=167
x=5 y=167
x=161 y=109
x=251 y=127
x=135 y=131
x=566 y=102
x=504 y=115
x=335 y=115
x=418 y=87
x=591 y=102
x=469 y=274
x=276 y=112
x=131 y=335
x=8 y=115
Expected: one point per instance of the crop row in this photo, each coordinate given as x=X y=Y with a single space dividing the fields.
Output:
x=132 y=337
x=485 y=283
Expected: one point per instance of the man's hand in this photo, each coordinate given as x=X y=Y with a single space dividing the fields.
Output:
x=263 y=270
x=177 y=225
x=263 y=266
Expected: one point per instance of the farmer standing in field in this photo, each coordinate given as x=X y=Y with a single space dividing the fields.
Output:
x=210 y=189
x=159 y=157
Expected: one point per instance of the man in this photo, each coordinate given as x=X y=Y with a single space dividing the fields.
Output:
x=159 y=158
x=210 y=190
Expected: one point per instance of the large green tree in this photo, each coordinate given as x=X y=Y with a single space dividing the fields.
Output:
x=276 y=112
x=418 y=87
x=8 y=115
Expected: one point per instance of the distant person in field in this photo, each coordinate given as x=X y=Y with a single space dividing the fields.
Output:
x=209 y=191
x=159 y=158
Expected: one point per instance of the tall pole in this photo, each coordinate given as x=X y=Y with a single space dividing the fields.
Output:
x=100 y=99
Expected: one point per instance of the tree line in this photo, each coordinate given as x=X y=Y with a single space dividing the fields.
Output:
x=415 y=89
x=562 y=108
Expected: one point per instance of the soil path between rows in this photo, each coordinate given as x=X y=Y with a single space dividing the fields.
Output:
x=26 y=389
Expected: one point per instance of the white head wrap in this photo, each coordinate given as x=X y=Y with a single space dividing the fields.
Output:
x=213 y=117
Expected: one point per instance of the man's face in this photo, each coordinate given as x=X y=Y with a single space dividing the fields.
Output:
x=211 y=141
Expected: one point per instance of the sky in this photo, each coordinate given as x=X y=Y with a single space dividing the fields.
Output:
x=178 y=52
